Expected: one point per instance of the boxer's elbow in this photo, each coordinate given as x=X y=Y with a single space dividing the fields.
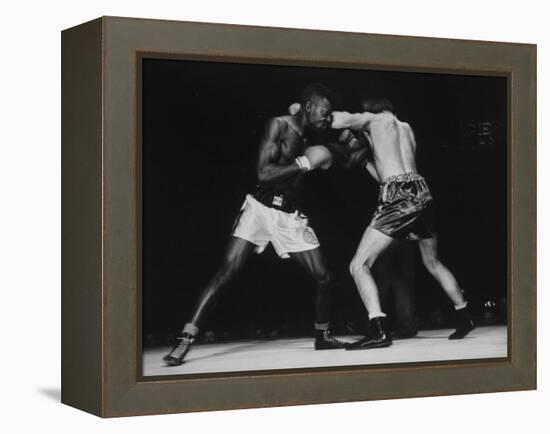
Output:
x=264 y=174
x=263 y=177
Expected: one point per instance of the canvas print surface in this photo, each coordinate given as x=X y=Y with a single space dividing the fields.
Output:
x=301 y=217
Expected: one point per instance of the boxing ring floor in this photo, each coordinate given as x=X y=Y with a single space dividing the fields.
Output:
x=256 y=355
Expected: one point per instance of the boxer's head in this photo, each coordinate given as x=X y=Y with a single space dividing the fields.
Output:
x=376 y=105
x=316 y=105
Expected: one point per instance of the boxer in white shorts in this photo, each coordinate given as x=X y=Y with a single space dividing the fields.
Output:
x=272 y=215
x=287 y=232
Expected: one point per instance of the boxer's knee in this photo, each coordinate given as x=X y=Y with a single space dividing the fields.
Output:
x=323 y=279
x=358 y=267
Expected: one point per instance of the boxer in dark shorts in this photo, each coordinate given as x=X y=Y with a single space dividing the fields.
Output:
x=404 y=212
x=405 y=208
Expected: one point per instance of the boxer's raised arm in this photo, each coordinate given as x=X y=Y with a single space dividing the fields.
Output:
x=353 y=121
x=360 y=152
x=270 y=151
x=353 y=149
x=359 y=157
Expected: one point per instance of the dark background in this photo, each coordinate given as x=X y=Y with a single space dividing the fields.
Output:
x=202 y=122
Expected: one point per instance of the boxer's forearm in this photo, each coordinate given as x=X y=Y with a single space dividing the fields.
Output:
x=353 y=121
x=275 y=173
x=359 y=156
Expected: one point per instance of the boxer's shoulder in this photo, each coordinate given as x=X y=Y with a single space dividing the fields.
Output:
x=404 y=126
x=284 y=120
x=288 y=124
x=279 y=122
x=386 y=118
x=276 y=127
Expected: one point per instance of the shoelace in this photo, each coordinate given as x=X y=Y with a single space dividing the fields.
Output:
x=330 y=338
x=185 y=342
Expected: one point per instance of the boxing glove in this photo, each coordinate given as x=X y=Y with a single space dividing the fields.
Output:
x=348 y=140
x=319 y=157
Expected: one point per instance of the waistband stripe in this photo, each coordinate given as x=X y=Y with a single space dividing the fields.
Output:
x=403 y=177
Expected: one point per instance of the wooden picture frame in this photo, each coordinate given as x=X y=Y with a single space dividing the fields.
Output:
x=100 y=216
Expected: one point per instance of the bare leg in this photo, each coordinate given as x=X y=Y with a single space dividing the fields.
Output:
x=384 y=275
x=371 y=245
x=312 y=262
x=236 y=255
x=464 y=321
x=383 y=272
x=428 y=249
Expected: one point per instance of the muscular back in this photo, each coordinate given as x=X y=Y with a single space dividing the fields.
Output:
x=407 y=146
x=392 y=141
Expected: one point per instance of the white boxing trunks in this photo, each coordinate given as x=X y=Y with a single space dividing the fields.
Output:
x=287 y=232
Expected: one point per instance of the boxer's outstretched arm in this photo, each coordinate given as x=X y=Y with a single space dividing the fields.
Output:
x=353 y=121
x=270 y=150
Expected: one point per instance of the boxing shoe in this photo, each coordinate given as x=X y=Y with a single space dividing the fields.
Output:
x=325 y=341
x=182 y=347
x=378 y=337
x=464 y=323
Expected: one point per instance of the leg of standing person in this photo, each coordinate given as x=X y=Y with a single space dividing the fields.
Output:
x=465 y=324
x=383 y=273
x=312 y=262
x=236 y=255
x=370 y=247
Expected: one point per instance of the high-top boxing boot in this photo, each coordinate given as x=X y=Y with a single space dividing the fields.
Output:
x=464 y=323
x=179 y=351
x=378 y=336
x=325 y=341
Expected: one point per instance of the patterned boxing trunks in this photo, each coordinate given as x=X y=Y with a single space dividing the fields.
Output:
x=405 y=208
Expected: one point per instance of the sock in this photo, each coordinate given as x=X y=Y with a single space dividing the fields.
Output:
x=461 y=306
x=379 y=314
x=191 y=329
x=321 y=326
